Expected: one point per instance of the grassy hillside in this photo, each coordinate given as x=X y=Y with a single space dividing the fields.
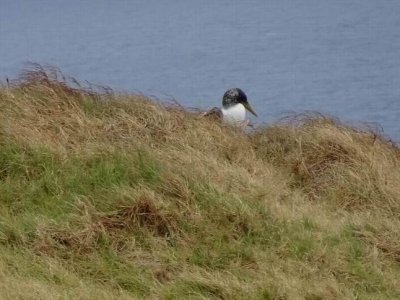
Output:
x=107 y=196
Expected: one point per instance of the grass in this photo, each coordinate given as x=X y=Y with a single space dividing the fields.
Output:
x=115 y=196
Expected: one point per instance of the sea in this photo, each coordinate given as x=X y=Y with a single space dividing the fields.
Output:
x=337 y=57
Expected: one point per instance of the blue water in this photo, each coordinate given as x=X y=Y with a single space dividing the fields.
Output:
x=340 y=57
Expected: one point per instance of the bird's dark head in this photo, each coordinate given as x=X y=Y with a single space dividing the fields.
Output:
x=233 y=96
x=236 y=96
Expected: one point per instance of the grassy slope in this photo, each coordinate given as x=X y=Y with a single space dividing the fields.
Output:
x=115 y=196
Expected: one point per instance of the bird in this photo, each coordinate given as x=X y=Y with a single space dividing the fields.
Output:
x=234 y=106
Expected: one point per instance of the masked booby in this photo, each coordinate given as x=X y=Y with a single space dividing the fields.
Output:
x=234 y=106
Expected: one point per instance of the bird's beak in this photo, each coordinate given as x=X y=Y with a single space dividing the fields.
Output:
x=248 y=107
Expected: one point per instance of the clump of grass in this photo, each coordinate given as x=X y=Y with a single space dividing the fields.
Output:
x=351 y=167
x=117 y=196
x=110 y=227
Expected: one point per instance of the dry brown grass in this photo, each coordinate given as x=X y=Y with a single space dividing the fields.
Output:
x=355 y=168
x=108 y=195
x=114 y=225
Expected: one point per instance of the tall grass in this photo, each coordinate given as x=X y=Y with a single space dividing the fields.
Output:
x=115 y=196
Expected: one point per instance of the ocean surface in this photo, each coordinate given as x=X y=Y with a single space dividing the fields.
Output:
x=340 y=57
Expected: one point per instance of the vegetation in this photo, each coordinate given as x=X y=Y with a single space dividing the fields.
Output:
x=109 y=196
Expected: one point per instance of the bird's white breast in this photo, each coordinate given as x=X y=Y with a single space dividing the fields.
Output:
x=234 y=114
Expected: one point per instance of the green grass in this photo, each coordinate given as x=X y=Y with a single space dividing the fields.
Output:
x=117 y=197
